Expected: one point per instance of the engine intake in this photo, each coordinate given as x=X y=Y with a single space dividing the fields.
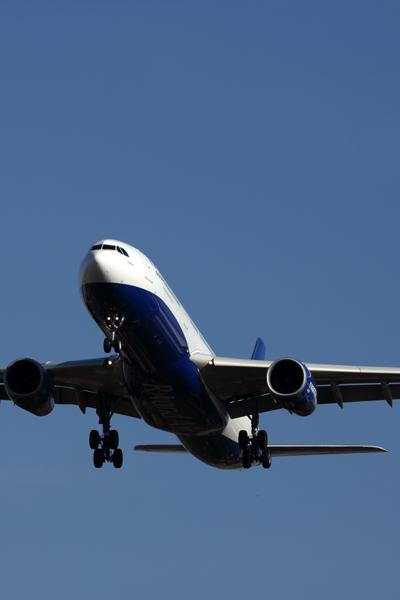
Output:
x=292 y=386
x=28 y=384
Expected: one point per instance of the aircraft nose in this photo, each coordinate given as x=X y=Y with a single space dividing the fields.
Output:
x=94 y=268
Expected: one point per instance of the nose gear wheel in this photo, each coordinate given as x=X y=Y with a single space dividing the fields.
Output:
x=109 y=344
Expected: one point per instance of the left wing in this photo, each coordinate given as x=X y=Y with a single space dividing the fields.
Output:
x=235 y=381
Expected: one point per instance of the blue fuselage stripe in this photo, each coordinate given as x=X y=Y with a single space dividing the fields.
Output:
x=150 y=333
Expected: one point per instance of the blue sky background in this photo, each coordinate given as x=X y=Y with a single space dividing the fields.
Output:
x=251 y=150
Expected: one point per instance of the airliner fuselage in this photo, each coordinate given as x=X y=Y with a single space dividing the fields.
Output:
x=130 y=301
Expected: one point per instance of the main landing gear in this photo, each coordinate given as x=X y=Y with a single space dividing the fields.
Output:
x=105 y=446
x=255 y=447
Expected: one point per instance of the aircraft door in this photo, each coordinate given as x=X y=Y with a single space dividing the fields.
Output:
x=148 y=269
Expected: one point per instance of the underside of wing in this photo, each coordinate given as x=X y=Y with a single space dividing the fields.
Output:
x=237 y=381
x=87 y=384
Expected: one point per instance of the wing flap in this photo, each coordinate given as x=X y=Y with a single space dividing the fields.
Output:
x=357 y=393
x=118 y=405
x=349 y=393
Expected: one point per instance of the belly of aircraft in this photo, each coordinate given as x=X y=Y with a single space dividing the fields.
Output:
x=164 y=385
x=175 y=400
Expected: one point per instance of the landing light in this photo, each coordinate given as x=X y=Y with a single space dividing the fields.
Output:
x=110 y=362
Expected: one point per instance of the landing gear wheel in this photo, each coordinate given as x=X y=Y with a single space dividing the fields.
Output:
x=243 y=439
x=105 y=445
x=266 y=459
x=262 y=440
x=107 y=345
x=98 y=458
x=94 y=439
x=117 y=458
x=113 y=439
x=246 y=457
x=255 y=446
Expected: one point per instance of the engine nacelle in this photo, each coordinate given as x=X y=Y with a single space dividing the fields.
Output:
x=28 y=384
x=292 y=386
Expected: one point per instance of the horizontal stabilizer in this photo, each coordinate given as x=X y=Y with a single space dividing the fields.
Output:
x=275 y=450
x=175 y=449
x=319 y=450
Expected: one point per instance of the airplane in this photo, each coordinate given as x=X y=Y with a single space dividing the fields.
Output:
x=164 y=372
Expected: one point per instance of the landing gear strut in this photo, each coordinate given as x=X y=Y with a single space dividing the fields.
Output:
x=113 y=321
x=105 y=446
x=255 y=447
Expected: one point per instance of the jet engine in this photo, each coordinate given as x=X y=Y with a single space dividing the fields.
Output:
x=292 y=386
x=28 y=384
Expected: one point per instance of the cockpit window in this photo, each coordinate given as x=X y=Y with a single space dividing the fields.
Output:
x=122 y=251
x=109 y=247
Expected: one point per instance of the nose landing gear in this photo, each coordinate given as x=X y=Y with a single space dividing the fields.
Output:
x=255 y=447
x=113 y=322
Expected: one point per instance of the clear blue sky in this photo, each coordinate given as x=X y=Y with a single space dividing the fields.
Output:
x=251 y=150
